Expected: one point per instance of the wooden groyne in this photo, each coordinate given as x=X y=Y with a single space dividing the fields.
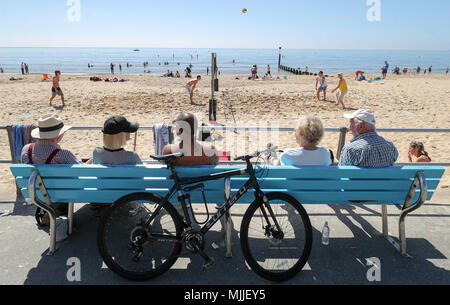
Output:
x=295 y=71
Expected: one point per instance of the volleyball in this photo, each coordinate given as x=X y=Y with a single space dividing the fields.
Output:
x=244 y=10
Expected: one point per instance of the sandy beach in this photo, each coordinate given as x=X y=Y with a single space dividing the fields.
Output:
x=400 y=101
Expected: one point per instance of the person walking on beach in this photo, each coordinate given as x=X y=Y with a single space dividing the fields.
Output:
x=385 y=69
x=112 y=68
x=254 y=71
x=190 y=86
x=22 y=67
x=56 y=90
x=429 y=69
x=446 y=71
x=26 y=69
x=321 y=85
x=268 y=71
x=342 y=86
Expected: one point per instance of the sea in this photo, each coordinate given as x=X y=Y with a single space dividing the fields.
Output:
x=229 y=61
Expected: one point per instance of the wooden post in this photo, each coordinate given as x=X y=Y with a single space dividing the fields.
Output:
x=279 y=59
x=212 y=101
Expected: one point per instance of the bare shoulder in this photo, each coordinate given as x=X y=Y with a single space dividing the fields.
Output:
x=167 y=150
x=423 y=159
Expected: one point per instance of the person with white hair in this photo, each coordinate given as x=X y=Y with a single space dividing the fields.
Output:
x=367 y=148
x=308 y=134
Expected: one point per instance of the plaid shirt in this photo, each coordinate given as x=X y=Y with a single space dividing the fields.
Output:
x=43 y=149
x=369 y=150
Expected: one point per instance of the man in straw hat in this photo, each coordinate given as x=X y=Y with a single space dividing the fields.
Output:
x=367 y=148
x=46 y=150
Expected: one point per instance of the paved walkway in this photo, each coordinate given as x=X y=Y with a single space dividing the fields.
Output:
x=355 y=237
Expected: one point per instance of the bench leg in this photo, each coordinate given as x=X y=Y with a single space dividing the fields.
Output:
x=402 y=236
x=70 y=218
x=52 y=247
x=228 y=230
x=228 y=221
x=385 y=220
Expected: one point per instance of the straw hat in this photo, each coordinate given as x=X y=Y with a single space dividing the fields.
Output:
x=50 y=127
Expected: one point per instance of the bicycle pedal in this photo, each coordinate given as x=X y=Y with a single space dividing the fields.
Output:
x=207 y=265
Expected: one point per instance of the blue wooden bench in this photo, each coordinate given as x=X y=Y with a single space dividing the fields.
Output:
x=405 y=187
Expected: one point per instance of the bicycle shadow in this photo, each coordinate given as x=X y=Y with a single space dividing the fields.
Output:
x=188 y=270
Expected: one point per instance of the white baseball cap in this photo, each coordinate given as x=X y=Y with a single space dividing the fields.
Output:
x=363 y=115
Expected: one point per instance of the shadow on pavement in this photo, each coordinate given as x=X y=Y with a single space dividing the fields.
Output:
x=343 y=261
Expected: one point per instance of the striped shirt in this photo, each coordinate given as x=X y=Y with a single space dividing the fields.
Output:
x=43 y=149
x=369 y=150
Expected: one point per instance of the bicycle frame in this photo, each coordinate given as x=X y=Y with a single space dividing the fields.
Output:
x=251 y=183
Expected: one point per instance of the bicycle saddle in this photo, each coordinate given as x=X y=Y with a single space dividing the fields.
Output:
x=166 y=158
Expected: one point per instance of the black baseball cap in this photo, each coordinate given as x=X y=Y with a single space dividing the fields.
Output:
x=117 y=124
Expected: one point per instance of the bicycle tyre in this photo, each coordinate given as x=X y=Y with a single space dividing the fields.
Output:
x=301 y=248
x=116 y=215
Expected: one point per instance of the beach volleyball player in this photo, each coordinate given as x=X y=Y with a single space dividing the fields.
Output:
x=56 y=90
x=190 y=86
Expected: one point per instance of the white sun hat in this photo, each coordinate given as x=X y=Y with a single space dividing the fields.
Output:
x=363 y=115
x=50 y=127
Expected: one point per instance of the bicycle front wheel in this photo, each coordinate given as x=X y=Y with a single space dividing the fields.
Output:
x=139 y=237
x=276 y=237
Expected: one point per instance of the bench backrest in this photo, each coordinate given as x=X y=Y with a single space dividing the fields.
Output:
x=309 y=185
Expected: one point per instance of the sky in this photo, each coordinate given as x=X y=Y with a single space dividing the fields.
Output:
x=292 y=24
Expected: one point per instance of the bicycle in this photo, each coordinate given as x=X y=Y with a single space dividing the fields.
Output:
x=275 y=234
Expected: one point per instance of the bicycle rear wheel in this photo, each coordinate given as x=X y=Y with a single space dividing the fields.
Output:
x=134 y=250
x=276 y=237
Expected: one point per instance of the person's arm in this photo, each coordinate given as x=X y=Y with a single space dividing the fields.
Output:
x=340 y=82
x=344 y=160
x=274 y=161
x=137 y=159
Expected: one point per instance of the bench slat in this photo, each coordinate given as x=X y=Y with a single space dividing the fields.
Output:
x=305 y=197
x=307 y=184
x=196 y=171
x=136 y=184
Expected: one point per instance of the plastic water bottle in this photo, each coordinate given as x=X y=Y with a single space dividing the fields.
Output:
x=326 y=234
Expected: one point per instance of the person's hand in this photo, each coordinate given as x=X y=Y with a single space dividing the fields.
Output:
x=409 y=156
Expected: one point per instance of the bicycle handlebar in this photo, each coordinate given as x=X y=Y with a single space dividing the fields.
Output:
x=269 y=150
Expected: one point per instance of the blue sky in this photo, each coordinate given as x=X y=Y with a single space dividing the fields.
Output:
x=293 y=24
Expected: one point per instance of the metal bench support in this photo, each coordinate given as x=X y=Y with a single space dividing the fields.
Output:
x=36 y=178
x=419 y=181
x=47 y=206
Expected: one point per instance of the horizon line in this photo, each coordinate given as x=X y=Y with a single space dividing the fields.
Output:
x=226 y=48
